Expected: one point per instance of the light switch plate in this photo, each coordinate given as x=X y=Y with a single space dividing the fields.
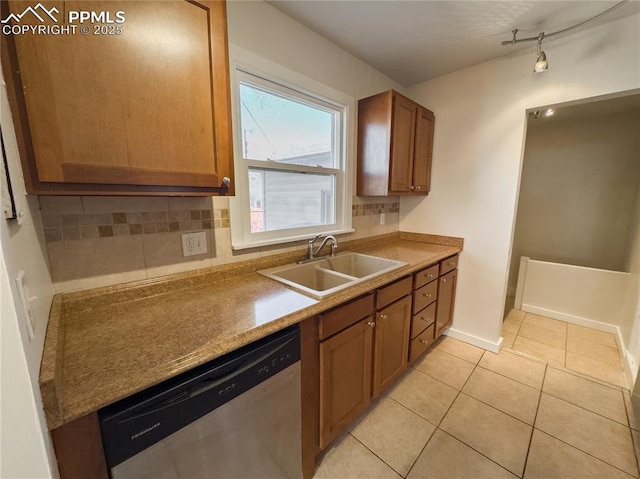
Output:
x=194 y=243
x=25 y=304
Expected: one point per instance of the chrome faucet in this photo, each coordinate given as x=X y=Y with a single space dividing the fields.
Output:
x=311 y=253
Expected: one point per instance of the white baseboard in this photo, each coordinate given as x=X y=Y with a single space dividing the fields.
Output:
x=494 y=347
x=569 y=318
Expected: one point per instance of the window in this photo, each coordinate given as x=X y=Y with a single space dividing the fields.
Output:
x=290 y=164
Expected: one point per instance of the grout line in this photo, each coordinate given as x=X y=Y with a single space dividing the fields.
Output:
x=474 y=449
x=566 y=350
x=633 y=439
x=445 y=414
x=516 y=380
x=535 y=418
x=585 y=409
x=635 y=446
x=372 y=452
x=585 y=452
x=498 y=409
x=421 y=452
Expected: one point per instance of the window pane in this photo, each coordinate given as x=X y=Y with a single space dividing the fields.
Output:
x=287 y=131
x=283 y=200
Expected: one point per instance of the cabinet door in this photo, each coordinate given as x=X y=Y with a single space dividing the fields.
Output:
x=402 y=144
x=391 y=343
x=423 y=150
x=345 y=378
x=446 y=298
x=147 y=107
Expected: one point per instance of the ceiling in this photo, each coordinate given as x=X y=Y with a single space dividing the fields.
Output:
x=414 y=41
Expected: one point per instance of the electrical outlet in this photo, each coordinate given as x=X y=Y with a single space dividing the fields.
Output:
x=382 y=218
x=194 y=243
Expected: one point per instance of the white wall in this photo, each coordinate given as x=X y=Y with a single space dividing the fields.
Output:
x=25 y=445
x=262 y=29
x=580 y=178
x=630 y=326
x=478 y=145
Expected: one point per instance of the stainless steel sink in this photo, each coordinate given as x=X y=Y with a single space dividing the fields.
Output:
x=330 y=275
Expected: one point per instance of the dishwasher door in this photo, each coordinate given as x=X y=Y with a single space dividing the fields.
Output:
x=235 y=417
x=256 y=435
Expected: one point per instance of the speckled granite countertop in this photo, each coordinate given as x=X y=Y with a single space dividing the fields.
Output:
x=103 y=345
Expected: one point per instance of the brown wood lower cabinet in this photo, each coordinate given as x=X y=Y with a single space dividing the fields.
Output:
x=391 y=343
x=446 y=298
x=345 y=378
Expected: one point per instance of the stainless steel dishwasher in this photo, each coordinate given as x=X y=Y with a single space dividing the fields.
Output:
x=236 y=417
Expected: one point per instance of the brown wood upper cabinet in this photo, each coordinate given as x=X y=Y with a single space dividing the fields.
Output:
x=395 y=144
x=138 y=107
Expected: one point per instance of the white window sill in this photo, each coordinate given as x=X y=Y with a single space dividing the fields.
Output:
x=283 y=241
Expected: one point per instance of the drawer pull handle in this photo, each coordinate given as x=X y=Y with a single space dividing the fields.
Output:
x=371 y=323
x=444 y=280
x=383 y=316
x=452 y=263
x=424 y=341
x=424 y=318
x=430 y=275
x=426 y=295
x=417 y=187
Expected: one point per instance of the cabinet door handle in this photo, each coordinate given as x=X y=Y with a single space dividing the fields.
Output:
x=383 y=316
x=411 y=188
x=444 y=280
x=371 y=323
x=417 y=187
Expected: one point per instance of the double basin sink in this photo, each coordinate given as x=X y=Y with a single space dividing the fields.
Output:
x=329 y=275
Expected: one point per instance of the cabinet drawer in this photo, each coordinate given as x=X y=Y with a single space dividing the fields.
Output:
x=448 y=264
x=393 y=292
x=421 y=343
x=344 y=316
x=424 y=296
x=425 y=276
x=422 y=320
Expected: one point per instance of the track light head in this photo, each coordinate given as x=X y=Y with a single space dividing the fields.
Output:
x=541 y=62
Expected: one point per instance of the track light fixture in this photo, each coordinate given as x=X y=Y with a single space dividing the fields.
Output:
x=541 y=61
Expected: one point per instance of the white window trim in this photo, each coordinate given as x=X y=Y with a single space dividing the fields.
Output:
x=244 y=62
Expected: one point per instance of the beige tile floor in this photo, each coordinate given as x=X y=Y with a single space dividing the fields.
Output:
x=581 y=349
x=462 y=412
